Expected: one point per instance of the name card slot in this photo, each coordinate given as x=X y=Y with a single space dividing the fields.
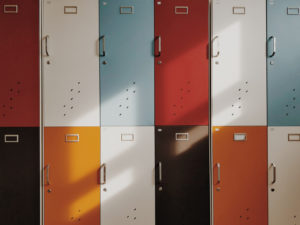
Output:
x=72 y=138
x=11 y=9
x=70 y=10
x=127 y=137
x=11 y=138
x=126 y=10
x=293 y=11
x=294 y=137
x=239 y=10
x=183 y=10
x=240 y=137
x=182 y=136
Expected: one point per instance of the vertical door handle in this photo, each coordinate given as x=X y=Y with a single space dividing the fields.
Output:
x=48 y=174
x=103 y=46
x=218 y=52
x=219 y=173
x=160 y=172
x=46 y=45
x=274 y=45
x=274 y=173
x=103 y=178
x=159 y=46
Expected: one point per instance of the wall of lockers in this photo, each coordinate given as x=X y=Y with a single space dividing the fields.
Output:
x=153 y=112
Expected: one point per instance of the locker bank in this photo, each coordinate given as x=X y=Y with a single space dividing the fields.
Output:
x=149 y=112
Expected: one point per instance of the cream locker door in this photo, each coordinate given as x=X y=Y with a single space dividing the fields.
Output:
x=284 y=175
x=71 y=62
x=127 y=176
x=239 y=63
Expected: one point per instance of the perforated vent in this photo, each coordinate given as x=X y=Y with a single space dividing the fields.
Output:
x=73 y=99
x=184 y=95
x=240 y=99
x=127 y=100
x=291 y=105
x=9 y=102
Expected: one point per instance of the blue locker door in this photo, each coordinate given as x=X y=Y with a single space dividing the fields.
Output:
x=126 y=62
x=283 y=43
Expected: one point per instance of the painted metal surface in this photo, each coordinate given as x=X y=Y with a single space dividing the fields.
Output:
x=20 y=176
x=71 y=63
x=127 y=62
x=127 y=175
x=181 y=63
x=182 y=175
x=283 y=67
x=239 y=63
x=240 y=175
x=284 y=172
x=71 y=175
x=19 y=56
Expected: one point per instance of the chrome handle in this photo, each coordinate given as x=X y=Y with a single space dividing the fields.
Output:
x=159 y=46
x=48 y=174
x=219 y=173
x=103 y=46
x=274 y=45
x=160 y=172
x=103 y=166
x=218 y=52
x=46 y=46
x=274 y=173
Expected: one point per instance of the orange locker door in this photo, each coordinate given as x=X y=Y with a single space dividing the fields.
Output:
x=240 y=175
x=72 y=163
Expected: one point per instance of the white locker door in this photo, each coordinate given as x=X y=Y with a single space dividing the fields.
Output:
x=239 y=63
x=284 y=175
x=71 y=62
x=127 y=176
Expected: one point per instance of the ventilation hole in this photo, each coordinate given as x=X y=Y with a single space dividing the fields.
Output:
x=294 y=107
x=71 y=90
x=286 y=114
x=246 y=91
x=133 y=91
x=79 y=219
x=127 y=98
x=232 y=114
x=181 y=107
x=247 y=209
x=240 y=107
x=134 y=82
x=11 y=108
x=240 y=89
x=127 y=107
x=174 y=114
x=134 y=218
x=3 y=106
x=72 y=107
x=127 y=217
x=120 y=114
x=120 y=105
x=64 y=106
x=65 y=114
x=181 y=98
x=174 y=105
x=181 y=89
x=78 y=92
x=71 y=99
x=240 y=98
x=19 y=82
x=189 y=82
x=294 y=98
x=78 y=83
x=78 y=210
x=247 y=218
x=18 y=91
x=134 y=209
x=246 y=82
x=189 y=91
x=294 y=89
x=3 y=115
x=10 y=99
x=11 y=89
x=232 y=105
x=126 y=89
x=286 y=105
x=72 y=218
x=272 y=189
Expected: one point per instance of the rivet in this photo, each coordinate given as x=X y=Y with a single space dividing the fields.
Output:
x=159 y=62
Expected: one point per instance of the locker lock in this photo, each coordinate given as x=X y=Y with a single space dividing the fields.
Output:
x=49 y=190
x=104 y=62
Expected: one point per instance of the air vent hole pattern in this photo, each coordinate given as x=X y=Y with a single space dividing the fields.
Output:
x=72 y=99
x=183 y=95
x=245 y=215
x=241 y=94
x=131 y=217
x=291 y=106
x=76 y=218
x=128 y=97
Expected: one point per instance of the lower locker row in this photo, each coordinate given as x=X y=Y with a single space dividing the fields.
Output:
x=151 y=175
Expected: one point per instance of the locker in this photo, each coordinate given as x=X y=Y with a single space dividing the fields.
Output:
x=19 y=56
x=283 y=67
x=181 y=63
x=71 y=63
x=72 y=175
x=19 y=173
x=182 y=175
x=127 y=175
x=127 y=62
x=239 y=63
x=284 y=184
x=240 y=193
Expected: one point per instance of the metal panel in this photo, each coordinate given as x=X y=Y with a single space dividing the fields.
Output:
x=126 y=63
x=71 y=175
x=181 y=64
x=20 y=176
x=240 y=176
x=283 y=67
x=284 y=173
x=127 y=175
x=182 y=175
x=19 y=57
x=239 y=63
x=71 y=63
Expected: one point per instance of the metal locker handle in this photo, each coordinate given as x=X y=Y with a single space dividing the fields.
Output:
x=48 y=174
x=46 y=46
x=103 y=166
x=274 y=173
x=160 y=172
x=274 y=45
x=219 y=173
x=218 y=52
x=159 y=46
x=103 y=45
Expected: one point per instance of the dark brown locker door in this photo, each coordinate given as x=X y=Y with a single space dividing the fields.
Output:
x=19 y=176
x=182 y=175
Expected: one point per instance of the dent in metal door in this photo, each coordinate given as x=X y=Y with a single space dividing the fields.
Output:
x=19 y=56
x=126 y=62
x=182 y=175
x=181 y=64
x=71 y=62
x=20 y=176
x=239 y=63
x=240 y=175
x=127 y=175
x=71 y=175
x=284 y=172
x=283 y=67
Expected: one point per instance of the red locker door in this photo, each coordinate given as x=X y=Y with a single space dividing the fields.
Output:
x=181 y=64
x=19 y=60
x=240 y=173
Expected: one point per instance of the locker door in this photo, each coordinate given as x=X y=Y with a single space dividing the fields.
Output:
x=19 y=56
x=182 y=175
x=239 y=63
x=127 y=175
x=71 y=185
x=181 y=64
x=283 y=67
x=240 y=175
x=71 y=62
x=19 y=174
x=284 y=173
x=127 y=62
